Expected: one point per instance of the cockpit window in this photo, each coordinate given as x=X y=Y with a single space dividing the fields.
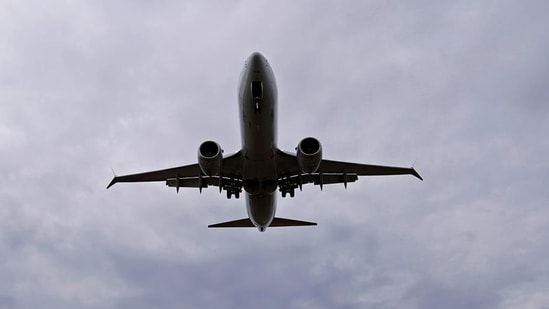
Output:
x=257 y=89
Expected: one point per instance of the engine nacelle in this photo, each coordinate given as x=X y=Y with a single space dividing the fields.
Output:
x=210 y=156
x=309 y=154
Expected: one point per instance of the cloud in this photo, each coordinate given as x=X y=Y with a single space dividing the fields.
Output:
x=459 y=87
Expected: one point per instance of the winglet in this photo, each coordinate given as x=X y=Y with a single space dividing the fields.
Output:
x=415 y=173
x=113 y=181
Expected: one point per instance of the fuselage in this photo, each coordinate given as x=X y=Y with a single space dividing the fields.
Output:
x=257 y=98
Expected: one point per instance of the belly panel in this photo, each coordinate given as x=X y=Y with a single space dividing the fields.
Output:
x=261 y=209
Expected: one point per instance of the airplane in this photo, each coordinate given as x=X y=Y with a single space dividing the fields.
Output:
x=260 y=167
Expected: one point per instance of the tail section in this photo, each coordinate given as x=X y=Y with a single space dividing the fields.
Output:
x=246 y=222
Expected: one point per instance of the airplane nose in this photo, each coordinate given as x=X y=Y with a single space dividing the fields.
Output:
x=256 y=61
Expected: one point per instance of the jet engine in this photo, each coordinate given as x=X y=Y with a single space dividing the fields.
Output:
x=210 y=156
x=309 y=154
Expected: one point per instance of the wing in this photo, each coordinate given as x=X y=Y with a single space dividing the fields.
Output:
x=329 y=166
x=188 y=175
x=329 y=172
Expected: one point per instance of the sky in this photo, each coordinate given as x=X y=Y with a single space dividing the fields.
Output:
x=458 y=89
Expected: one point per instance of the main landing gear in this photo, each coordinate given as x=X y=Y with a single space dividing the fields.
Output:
x=230 y=193
x=291 y=191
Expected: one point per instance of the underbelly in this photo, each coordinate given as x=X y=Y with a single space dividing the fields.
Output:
x=261 y=209
x=258 y=187
x=259 y=176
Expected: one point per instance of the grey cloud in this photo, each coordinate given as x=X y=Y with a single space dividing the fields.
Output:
x=136 y=86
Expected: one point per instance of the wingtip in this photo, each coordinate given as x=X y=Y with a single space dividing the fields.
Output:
x=416 y=174
x=113 y=181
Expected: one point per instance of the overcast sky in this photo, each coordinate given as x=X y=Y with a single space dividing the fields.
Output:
x=458 y=87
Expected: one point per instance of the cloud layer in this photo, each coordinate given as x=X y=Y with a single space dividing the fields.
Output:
x=460 y=88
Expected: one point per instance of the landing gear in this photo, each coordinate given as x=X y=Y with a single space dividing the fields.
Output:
x=231 y=192
x=231 y=186
x=285 y=192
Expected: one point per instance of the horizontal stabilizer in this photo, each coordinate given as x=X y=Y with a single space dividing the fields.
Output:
x=290 y=222
x=236 y=223
x=246 y=222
